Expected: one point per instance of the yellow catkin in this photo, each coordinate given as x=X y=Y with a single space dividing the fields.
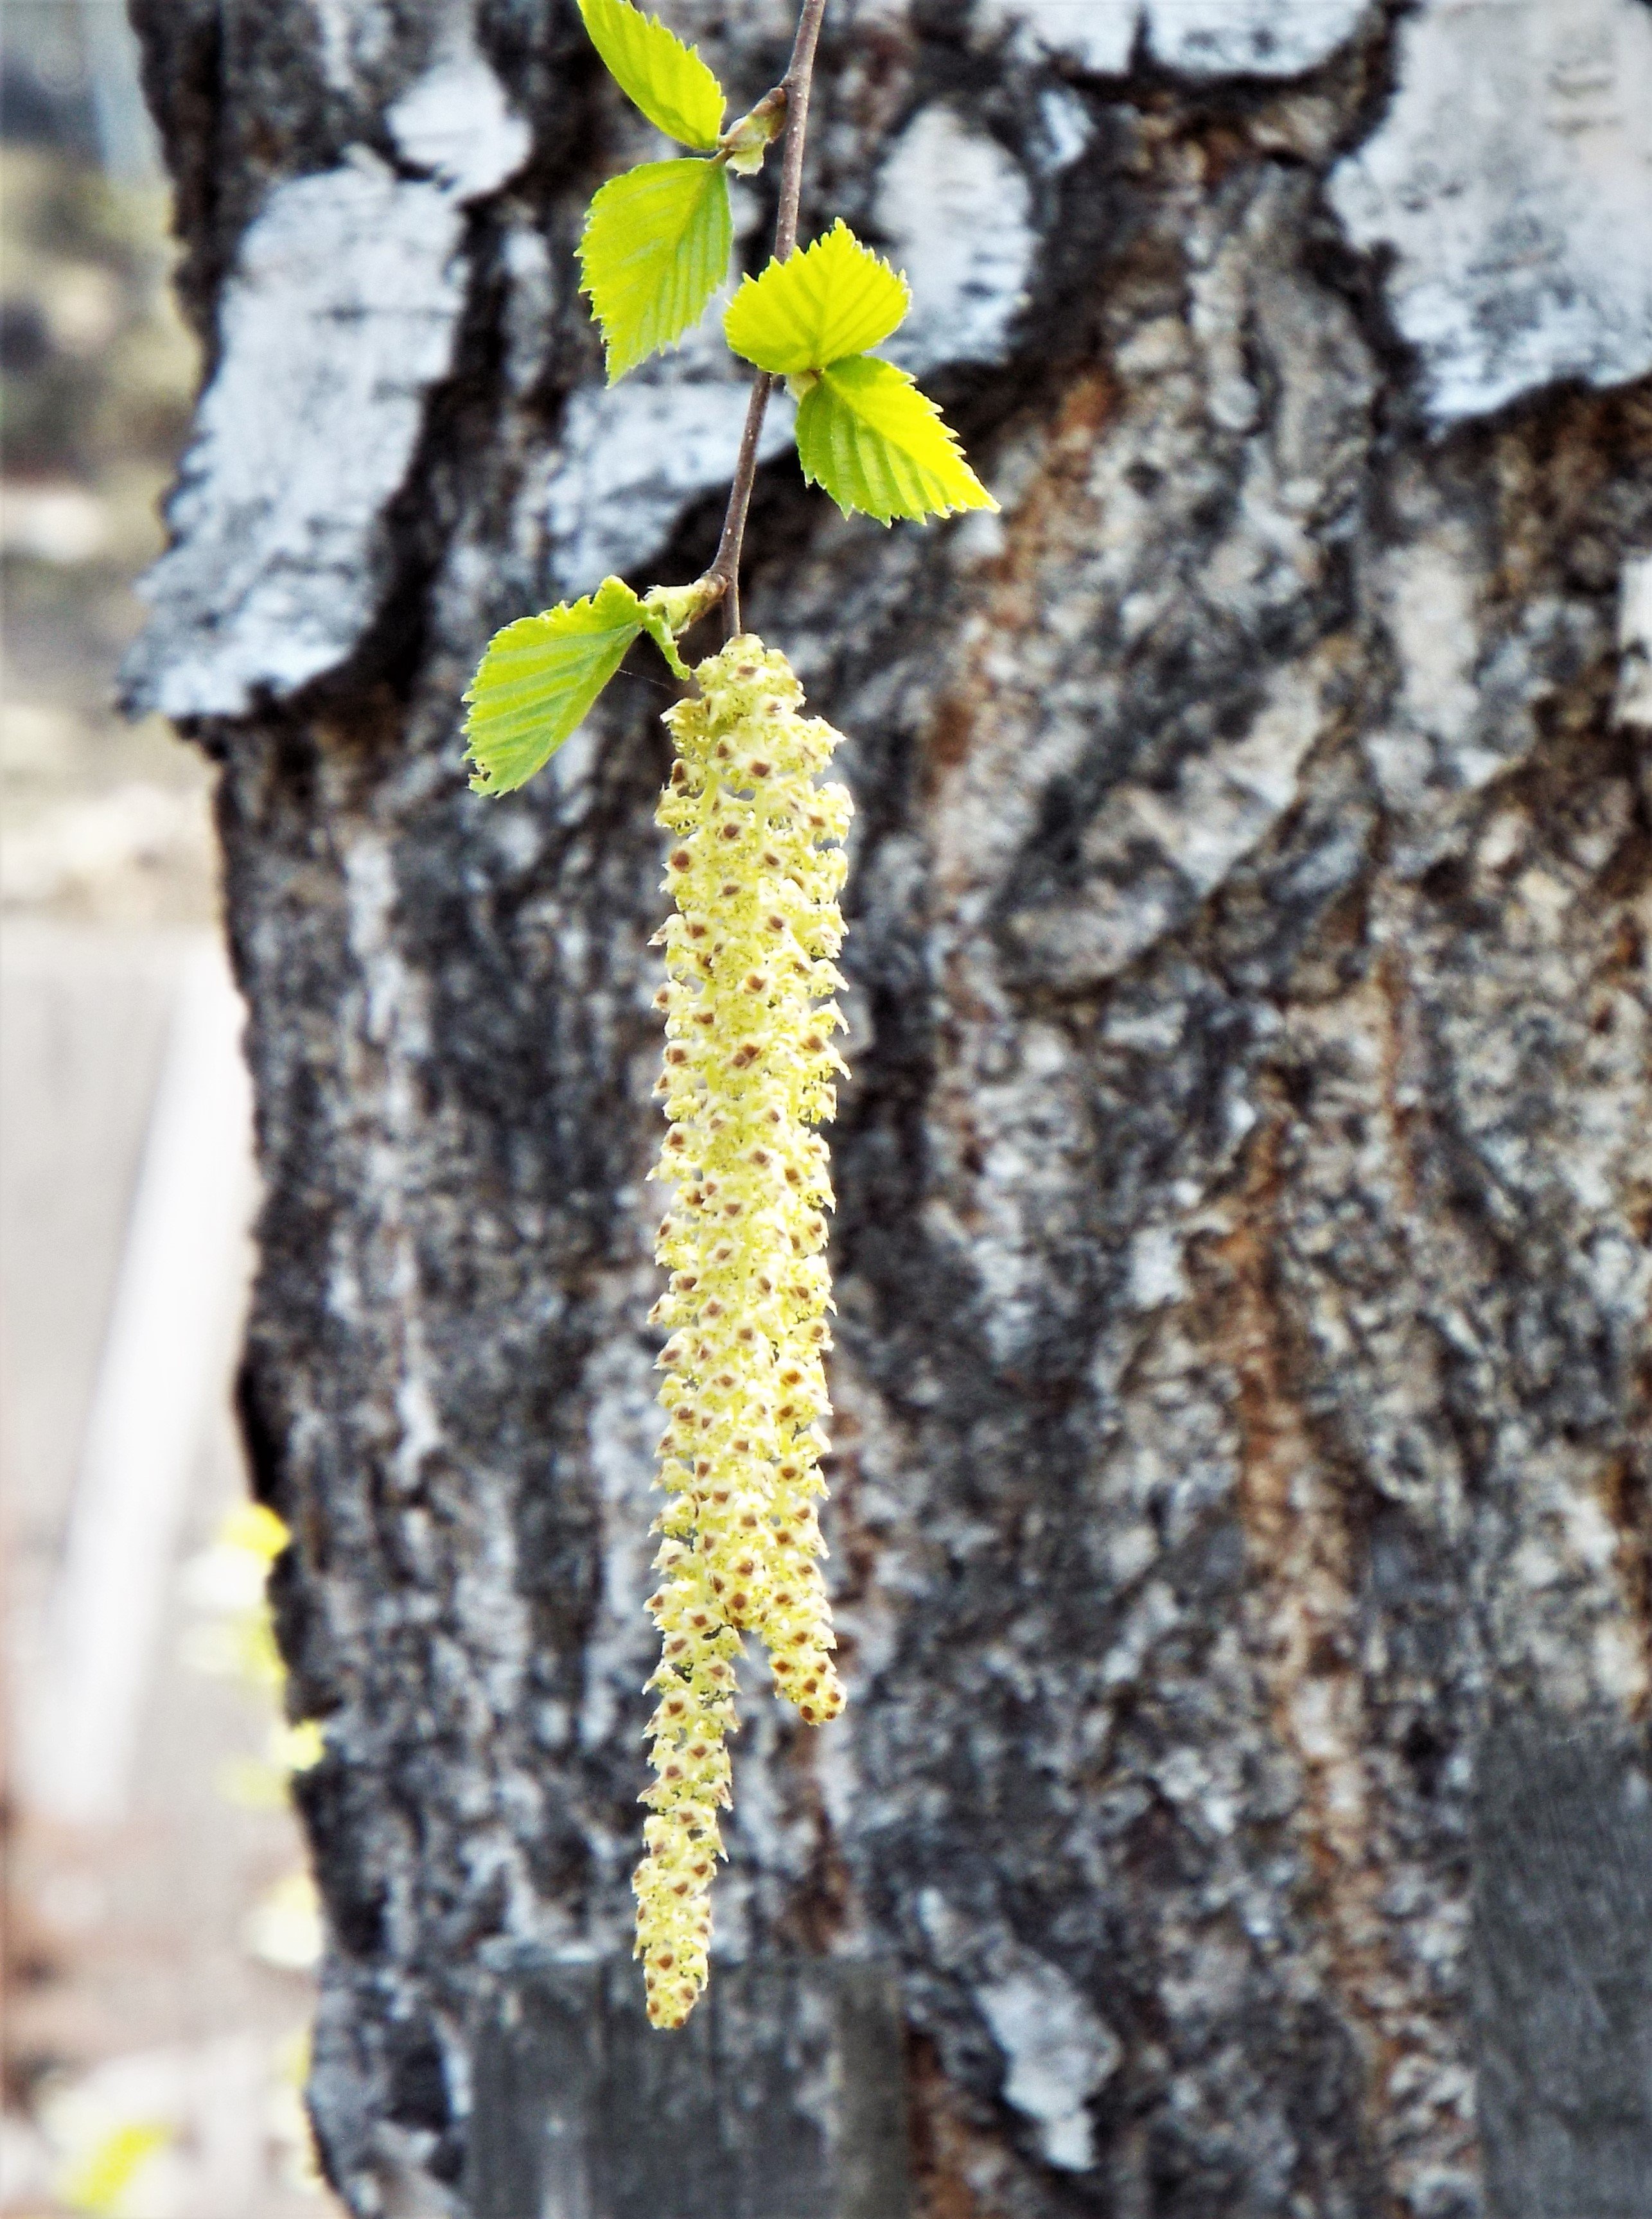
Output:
x=755 y=866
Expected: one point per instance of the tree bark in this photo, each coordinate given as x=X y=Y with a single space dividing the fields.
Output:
x=1241 y=1533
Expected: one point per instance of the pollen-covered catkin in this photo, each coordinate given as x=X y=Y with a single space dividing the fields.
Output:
x=755 y=866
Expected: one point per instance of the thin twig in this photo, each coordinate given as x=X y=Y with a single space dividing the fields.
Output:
x=796 y=84
x=724 y=573
x=725 y=568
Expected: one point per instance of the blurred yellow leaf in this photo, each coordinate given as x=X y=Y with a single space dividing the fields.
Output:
x=98 y=2182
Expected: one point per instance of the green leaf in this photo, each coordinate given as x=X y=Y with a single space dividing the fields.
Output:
x=538 y=679
x=676 y=608
x=667 y=80
x=656 y=248
x=877 y=445
x=657 y=614
x=836 y=298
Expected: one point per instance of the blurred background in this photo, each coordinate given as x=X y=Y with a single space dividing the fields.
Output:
x=158 y=1929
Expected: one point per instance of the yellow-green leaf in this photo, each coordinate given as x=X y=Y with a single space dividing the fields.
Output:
x=877 y=445
x=538 y=679
x=657 y=621
x=836 y=298
x=667 y=80
x=656 y=248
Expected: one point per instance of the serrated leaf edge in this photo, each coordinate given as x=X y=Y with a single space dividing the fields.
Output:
x=753 y=284
x=587 y=287
x=653 y=25
x=809 y=383
x=484 y=781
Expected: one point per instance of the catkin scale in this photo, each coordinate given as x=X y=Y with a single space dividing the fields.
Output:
x=755 y=866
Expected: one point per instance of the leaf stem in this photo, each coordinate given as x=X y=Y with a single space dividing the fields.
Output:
x=725 y=573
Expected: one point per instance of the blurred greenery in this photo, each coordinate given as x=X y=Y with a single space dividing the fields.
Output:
x=96 y=370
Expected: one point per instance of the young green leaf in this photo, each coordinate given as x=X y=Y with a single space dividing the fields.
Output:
x=667 y=80
x=538 y=680
x=657 y=622
x=836 y=298
x=656 y=248
x=877 y=445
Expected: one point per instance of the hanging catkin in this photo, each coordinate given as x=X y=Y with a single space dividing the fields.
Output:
x=755 y=866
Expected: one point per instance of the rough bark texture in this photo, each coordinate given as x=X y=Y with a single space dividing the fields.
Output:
x=1243 y=1189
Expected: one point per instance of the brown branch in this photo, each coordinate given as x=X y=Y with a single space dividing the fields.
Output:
x=725 y=573
x=796 y=85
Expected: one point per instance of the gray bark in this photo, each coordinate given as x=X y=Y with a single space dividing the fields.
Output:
x=1243 y=1190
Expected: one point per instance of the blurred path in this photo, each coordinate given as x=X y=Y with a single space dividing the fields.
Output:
x=169 y=1326
x=135 y=2002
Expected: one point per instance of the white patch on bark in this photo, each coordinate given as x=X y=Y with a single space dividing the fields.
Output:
x=338 y=320
x=1430 y=592
x=530 y=306
x=1028 y=1125
x=1511 y=182
x=1064 y=129
x=1634 y=703
x=456 y=122
x=353 y=34
x=1058 y=2047
x=1059 y=2054
x=396 y=1021
x=1261 y=38
x=1201 y=38
x=621 y=1647
x=488 y=1592
x=1150 y=857
x=1156 y=1276
x=636 y=455
x=1463 y=711
x=957 y=213
x=1099 y=33
x=1188 y=1780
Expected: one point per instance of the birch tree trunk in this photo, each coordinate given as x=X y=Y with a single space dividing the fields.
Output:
x=1241 y=1531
